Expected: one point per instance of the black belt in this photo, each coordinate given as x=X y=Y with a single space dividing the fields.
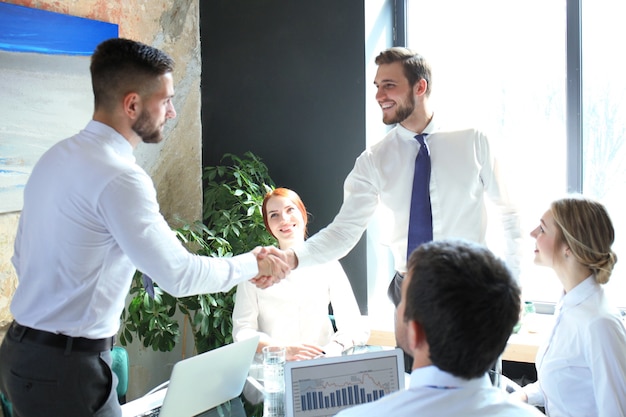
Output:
x=61 y=341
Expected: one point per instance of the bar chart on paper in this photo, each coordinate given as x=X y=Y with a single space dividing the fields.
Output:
x=332 y=394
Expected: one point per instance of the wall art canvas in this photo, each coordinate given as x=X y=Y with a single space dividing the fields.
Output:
x=46 y=88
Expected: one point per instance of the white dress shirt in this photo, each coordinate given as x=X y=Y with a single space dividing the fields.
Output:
x=433 y=392
x=463 y=170
x=91 y=218
x=581 y=368
x=295 y=310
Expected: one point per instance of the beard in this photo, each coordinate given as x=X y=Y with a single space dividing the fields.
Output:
x=145 y=127
x=403 y=111
x=401 y=330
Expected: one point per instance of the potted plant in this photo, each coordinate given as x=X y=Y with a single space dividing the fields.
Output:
x=232 y=224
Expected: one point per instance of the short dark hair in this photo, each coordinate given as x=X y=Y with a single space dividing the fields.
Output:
x=466 y=301
x=415 y=65
x=120 y=66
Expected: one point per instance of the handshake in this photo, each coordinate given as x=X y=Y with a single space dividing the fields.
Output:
x=274 y=265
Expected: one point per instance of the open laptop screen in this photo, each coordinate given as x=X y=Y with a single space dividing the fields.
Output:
x=322 y=387
x=200 y=382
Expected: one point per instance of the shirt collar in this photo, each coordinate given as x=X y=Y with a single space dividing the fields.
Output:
x=430 y=128
x=435 y=378
x=580 y=293
x=111 y=136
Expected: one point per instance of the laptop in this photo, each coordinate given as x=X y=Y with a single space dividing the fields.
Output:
x=199 y=383
x=322 y=387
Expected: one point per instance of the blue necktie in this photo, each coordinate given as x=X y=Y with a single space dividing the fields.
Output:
x=148 y=285
x=421 y=216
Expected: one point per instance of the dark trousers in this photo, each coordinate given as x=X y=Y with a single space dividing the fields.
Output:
x=41 y=380
x=394 y=292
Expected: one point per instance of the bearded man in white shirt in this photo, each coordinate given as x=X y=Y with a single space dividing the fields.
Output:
x=458 y=306
x=90 y=218
x=463 y=172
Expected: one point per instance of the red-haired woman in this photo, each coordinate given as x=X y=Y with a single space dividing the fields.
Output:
x=294 y=312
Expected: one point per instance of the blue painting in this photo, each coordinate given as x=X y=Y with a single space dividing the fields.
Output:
x=46 y=88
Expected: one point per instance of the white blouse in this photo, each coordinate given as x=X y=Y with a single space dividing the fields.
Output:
x=581 y=368
x=295 y=310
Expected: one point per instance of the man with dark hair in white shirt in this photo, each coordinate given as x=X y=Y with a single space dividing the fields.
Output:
x=90 y=219
x=458 y=306
x=463 y=172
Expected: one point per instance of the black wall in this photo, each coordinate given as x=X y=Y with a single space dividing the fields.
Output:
x=285 y=80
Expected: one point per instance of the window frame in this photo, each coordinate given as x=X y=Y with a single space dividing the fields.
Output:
x=574 y=114
x=574 y=97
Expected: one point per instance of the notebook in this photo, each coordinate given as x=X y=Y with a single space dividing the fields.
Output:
x=199 y=383
x=324 y=386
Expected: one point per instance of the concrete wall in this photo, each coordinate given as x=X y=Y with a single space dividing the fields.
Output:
x=175 y=164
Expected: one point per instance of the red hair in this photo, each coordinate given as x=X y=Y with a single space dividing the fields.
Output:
x=295 y=199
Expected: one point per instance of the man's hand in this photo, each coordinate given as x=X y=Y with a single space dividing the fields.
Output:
x=272 y=264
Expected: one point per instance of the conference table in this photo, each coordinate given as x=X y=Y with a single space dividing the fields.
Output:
x=237 y=407
x=253 y=403
x=521 y=347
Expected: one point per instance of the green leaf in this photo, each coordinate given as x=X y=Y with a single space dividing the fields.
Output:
x=231 y=224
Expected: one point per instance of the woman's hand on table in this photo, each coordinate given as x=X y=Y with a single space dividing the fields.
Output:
x=303 y=352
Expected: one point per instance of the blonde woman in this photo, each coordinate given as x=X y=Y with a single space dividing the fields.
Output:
x=581 y=368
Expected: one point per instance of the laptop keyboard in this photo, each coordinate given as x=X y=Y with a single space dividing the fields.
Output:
x=152 y=413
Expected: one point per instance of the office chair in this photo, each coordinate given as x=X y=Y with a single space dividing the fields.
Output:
x=333 y=322
x=120 y=367
x=7 y=409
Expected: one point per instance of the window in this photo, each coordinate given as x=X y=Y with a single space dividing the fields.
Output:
x=502 y=66
x=604 y=122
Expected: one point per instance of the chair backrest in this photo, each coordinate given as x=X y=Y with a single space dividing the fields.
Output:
x=120 y=367
x=7 y=409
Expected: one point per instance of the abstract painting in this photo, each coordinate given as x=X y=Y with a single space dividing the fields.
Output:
x=46 y=88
